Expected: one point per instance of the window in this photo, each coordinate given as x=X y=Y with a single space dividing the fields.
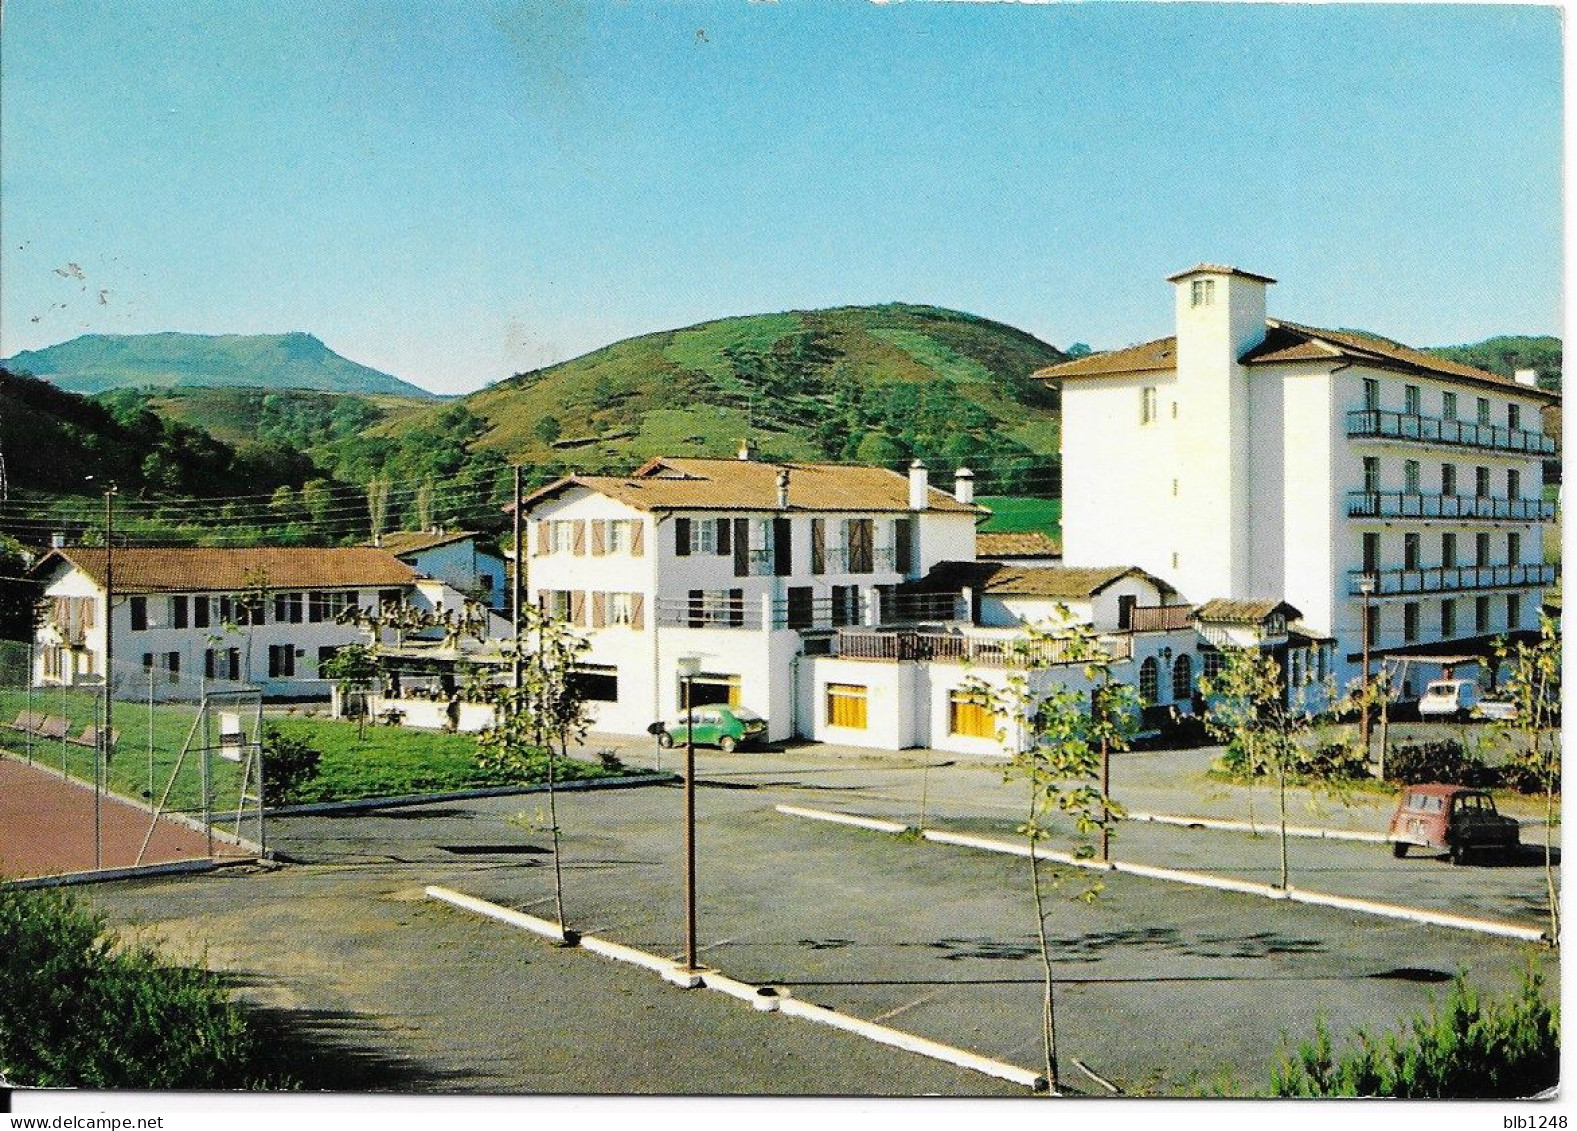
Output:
x=1211 y=661
x=1371 y=623
x=1481 y=614
x=1183 y=678
x=596 y=683
x=1202 y=292
x=561 y=537
x=1410 y=544
x=1371 y=474
x=1513 y=548
x=1483 y=410
x=1448 y=479
x=1410 y=476
x=782 y=542
x=620 y=608
x=969 y=718
x=1410 y=622
x=1514 y=416
x=903 y=544
x=846 y=705
x=1412 y=401
x=147 y=662
x=172 y=664
x=390 y=597
x=1448 y=405
x=287 y=608
x=1513 y=612
x=200 y=612
x=1448 y=619
x=325 y=654
x=210 y=666
x=281 y=661
x=1149 y=680
x=712 y=687
x=1448 y=550
x=179 y=610
x=1481 y=482
x=1371 y=394
x=1513 y=483
x=1481 y=549
x=845 y=605
x=317 y=607
x=621 y=535
x=139 y=614
x=1147 y=412
x=1371 y=552
x=226 y=610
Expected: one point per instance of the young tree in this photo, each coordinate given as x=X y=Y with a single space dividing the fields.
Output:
x=1533 y=682
x=353 y=667
x=544 y=713
x=1248 y=705
x=1057 y=738
x=377 y=505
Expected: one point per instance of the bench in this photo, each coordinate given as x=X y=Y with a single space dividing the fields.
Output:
x=90 y=738
x=27 y=722
x=53 y=726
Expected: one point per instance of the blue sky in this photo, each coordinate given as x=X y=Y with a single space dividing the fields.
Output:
x=454 y=192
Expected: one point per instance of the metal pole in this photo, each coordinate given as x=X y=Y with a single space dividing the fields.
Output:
x=27 y=735
x=1363 y=694
x=208 y=824
x=150 y=732
x=689 y=828
x=515 y=589
x=101 y=747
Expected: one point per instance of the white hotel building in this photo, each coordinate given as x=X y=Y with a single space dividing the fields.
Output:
x=1251 y=458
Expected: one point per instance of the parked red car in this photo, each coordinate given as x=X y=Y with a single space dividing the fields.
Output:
x=1453 y=818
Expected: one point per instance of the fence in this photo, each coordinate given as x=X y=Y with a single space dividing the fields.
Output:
x=169 y=767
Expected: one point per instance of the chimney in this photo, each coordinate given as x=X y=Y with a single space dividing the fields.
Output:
x=747 y=449
x=964 y=485
x=1527 y=376
x=57 y=541
x=783 y=484
x=919 y=487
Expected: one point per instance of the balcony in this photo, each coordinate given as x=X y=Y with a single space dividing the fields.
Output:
x=1411 y=504
x=719 y=609
x=850 y=559
x=1006 y=651
x=1452 y=579
x=1160 y=618
x=1384 y=425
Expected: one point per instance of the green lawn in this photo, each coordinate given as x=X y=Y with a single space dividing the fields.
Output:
x=389 y=762
x=1014 y=514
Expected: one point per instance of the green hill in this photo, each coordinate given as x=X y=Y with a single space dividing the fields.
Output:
x=1508 y=353
x=96 y=363
x=874 y=384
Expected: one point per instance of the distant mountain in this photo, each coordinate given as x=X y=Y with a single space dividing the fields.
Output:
x=872 y=384
x=97 y=363
x=1508 y=353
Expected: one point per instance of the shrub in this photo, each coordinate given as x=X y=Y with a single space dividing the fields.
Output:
x=288 y=764
x=80 y=1010
x=1332 y=761
x=1474 y=1048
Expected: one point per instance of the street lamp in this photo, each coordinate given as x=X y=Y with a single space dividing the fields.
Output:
x=689 y=667
x=1366 y=587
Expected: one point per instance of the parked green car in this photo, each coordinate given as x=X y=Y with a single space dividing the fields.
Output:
x=714 y=725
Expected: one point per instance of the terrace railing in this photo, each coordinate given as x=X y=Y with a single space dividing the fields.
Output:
x=1387 y=425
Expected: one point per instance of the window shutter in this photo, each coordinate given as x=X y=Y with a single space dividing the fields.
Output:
x=599 y=609
x=782 y=547
x=599 y=537
x=903 y=545
x=736 y=607
x=818 y=546
x=637 y=609
x=542 y=539
x=577 y=609
x=741 y=547
x=697 y=608
x=578 y=538
x=725 y=542
x=682 y=537
x=638 y=538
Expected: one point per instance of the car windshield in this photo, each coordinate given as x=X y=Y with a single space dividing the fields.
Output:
x=746 y=715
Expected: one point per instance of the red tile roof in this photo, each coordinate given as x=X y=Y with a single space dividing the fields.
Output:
x=182 y=569
x=1016 y=544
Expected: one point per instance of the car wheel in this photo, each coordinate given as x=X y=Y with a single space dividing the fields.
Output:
x=1399 y=848
x=727 y=744
x=1459 y=854
x=665 y=740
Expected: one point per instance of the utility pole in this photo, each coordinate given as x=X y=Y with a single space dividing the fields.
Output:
x=515 y=589
x=101 y=749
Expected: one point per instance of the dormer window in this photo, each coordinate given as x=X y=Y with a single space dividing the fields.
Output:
x=1202 y=292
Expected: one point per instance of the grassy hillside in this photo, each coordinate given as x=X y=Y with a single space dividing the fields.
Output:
x=877 y=384
x=1509 y=353
x=96 y=363
x=303 y=419
x=1014 y=515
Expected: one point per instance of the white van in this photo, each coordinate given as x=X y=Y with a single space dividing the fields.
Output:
x=1449 y=699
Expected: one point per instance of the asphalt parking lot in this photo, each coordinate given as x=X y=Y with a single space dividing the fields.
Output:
x=1162 y=989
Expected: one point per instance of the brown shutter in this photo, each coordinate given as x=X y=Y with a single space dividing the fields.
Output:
x=542 y=538
x=682 y=537
x=599 y=610
x=638 y=538
x=724 y=542
x=638 y=608
x=599 y=537
x=577 y=609
x=818 y=546
x=577 y=544
x=741 y=547
x=88 y=604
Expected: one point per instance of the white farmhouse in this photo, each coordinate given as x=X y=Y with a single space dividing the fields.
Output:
x=188 y=614
x=455 y=557
x=1252 y=459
